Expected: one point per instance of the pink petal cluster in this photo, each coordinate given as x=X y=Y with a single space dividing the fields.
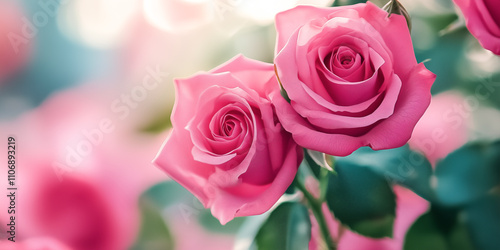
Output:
x=352 y=78
x=227 y=147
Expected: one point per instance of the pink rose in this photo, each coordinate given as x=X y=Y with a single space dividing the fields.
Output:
x=227 y=146
x=482 y=18
x=352 y=78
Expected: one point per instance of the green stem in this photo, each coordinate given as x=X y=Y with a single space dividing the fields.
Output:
x=315 y=206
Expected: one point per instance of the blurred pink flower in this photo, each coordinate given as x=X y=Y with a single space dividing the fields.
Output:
x=443 y=127
x=15 y=47
x=80 y=183
x=34 y=244
x=227 y=146
x=482 y=18
x=352 y=78
x=74 y=210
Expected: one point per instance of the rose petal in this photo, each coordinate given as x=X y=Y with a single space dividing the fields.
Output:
x=247 y=199
x=185 y=170
x=482 y=23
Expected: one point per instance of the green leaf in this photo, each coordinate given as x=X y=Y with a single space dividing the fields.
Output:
x=399 y=165
x=209 y=222
x=375 y=228
x=154 y=233
x=439 y=228
x=287 y=228
x=483 y=221
x=468 y=174
x=361 y=199
x=347 y=2
x=460 y=239
x=424 y=234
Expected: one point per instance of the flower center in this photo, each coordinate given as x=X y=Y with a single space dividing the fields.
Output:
x=346 y=61
x=344 y=57
x=230 y=123
x=228 y=128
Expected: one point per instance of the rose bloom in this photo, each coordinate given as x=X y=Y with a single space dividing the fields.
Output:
x=482 y=18
x=351 y=76
x=227 y=146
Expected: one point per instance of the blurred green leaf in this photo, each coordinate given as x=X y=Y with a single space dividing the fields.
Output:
x=287 y=228
x=483 y=221
x=209 y=222
x=446 y=52
x=400 y=165
x=158 y=124
x=440 y=228
x=347 y=2
x=468 y=174
x=361 y=199
x=375 y=228
x=245 y=238
x=424 y=234
x=154 y=233
x=456 y=25
x=460 y=239
x=169 y=193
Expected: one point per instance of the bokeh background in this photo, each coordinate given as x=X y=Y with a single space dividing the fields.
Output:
x=86 y=90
